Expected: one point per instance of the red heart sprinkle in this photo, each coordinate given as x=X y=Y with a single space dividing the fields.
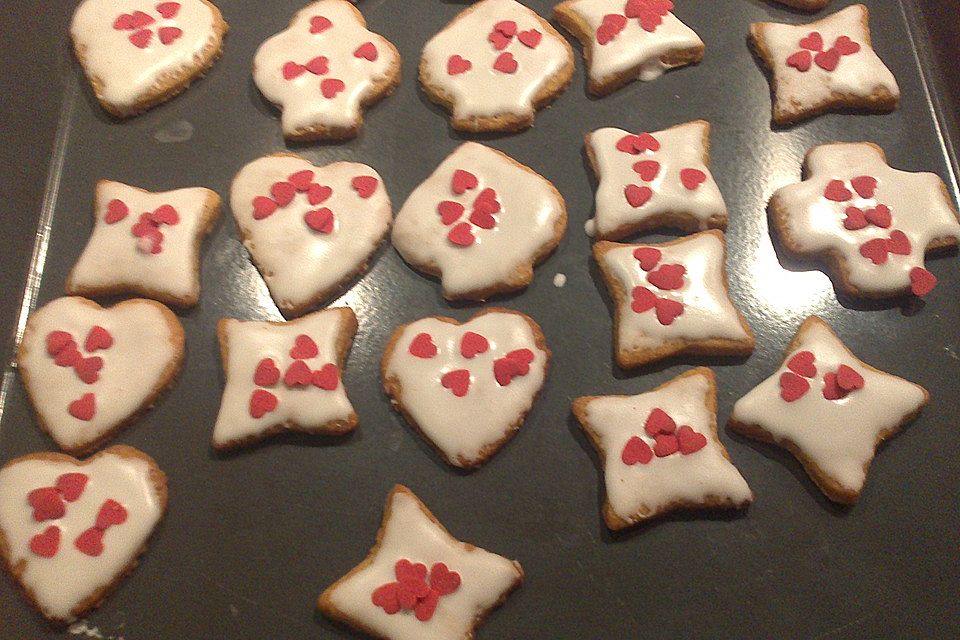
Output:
x=98 y=338
x=668 y=311
x=88 y=369
x=47 y=504
x=266 y=374
x=141 y=19
x=410 y=593
x=483 y=219
x=366 y=51
x=457 y=381
x=146 y=227
x=450 y=211
x=283 y=192
x=648 y=169
x=141 y=39
x=827 y=60
x=457 y=65
x=304 y=348
x=422 y=346
x=922 y=281
x=801 y=60
x=649 y=21
x=792 y=386
x=876 y=250
x=530 y=38
x=318 y=194
x=69 y=356
x=689 y=440
x=263 y=207
x=327 y=377
x=668 y=277
x=648 y=257
x=407 y=571
x=71 y=485
x=168 y=9
x=899 y=243
x=298 y=374
x=319 y=24
x=643 y=300
x=261 y=403
x=116 y=211
x=111 y=513
x=636 y=451
x=487 y=201
x=666 y=445
x=849 y=379
x=636 y=195
x=802 y=363
x=813 y=42
x=692 y=178
x=169 y=34
x=506 y=369
x=845 y=46
x=855 y=219
x=606 y=32
x=837 y=192
x=463 y=181
x=318 y=66
x=865 y=186
x=57 y=341
x=124 y=22
x=831 y=389
x=320 y=220
x=386 y=598
x=506 y=27
x=523 y=356
x=659 y=421
x=90 y=542
x=472 y=344
x=461 y=235
x=879 y=216
x=302 y=180
x=165 y=214
x=505 y=63
x=365 y=186
x=442 y=580
x=46 y=544
x=498 y=40
x=330 y=87
x=425 y=608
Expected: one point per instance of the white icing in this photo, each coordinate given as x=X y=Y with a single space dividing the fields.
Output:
x=917 y=202
x=132 y=368
x=482 y=91
x=296 y=262
x=643 y=489
x=530 y=211
x=59 y=584
x=560 y=280
x=839 y=436
x=634 y=47
x=125 y=72
x=302 y=102
x=461 y=427
x=112 y=259
x=307 y=407
x=859 y=74
x=681 y=147
x=707 y=313
x=410 y=534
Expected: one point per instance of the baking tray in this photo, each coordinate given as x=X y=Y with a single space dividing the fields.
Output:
x=251 y=538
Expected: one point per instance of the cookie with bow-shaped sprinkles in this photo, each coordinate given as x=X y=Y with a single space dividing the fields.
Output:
x=824 y=65
x=145 y=243
x=466 y=387
x=653 y=180
x=71 y=530
x=829 y=409
x=480 y=223
x=871 y=223
x=672 y=298
x=309 y=230
x=285 y=376
x=90 y=371
x=660 y=450
x=139 y=53
x=626 y=40
x=419 y=582
x=324 y=69
x=494 y=65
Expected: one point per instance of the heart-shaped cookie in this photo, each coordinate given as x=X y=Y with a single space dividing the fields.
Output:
x=68 y=561
x=139 y=53
x=89 y=371
x=465 y=401
x=305 y=257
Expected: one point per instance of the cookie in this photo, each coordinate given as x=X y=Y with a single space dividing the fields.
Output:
x=805 y=5
x=140 y=53
x=494 y=65
x=71 y=530
x=91 y=371
x=824 y=66
x=419 y=582
x=324 y=69
x=652 y=180
x=627 y=40
x=871 y=223
x=466 y=387
x=309 y=230
x=145 y=243
x=829 y=409
x=480 y=223
x=284 y=376
x=672 y=298
x=660 y=451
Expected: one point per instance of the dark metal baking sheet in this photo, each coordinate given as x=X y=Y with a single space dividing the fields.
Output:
x=251 y=538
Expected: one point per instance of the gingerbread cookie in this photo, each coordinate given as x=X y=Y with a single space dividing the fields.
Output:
x=626 y=40
x=324 y=69
x=466 y=387
x=494 y=65
x=873 y=224
x=71 y=530
x=139 y=53
x=660 y=450
x=480 y=222
x=285 y=376
x=310 y=230
x=653 y=180
x=419 y=582
x=145 y=243
x=90 y=371
x=672 y=298
x=829 y=409
x=824 y=65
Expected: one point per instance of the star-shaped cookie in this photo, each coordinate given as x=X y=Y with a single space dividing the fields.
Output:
x=873 y=224
x=829 y=409
x=672 y=298
x=625 y=40
x=653 y=180
x=284 y=376
x=324 y=69
x=824 y=65
x=660 y=450
x=419 y=582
